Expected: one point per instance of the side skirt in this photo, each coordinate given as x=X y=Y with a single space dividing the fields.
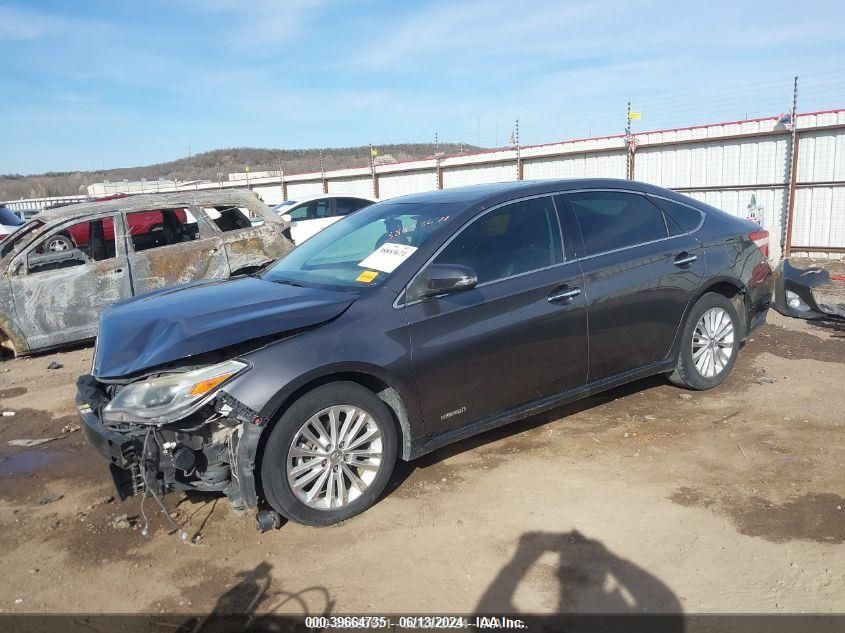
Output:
x=538 y=406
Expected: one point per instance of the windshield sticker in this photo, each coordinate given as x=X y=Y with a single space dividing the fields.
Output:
x=367 y=276
x=387 y=257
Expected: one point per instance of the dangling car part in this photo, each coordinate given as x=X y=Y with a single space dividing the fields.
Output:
x=808 y=293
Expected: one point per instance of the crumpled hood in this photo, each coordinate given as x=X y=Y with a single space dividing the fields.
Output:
x=181 y=321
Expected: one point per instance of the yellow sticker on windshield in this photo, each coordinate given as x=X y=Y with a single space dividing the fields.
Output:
x=367 y=276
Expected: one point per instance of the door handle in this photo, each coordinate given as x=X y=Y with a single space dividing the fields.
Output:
x=564 y=295
x=684 y=259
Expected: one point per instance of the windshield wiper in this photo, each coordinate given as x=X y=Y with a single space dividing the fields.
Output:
x=288 y=282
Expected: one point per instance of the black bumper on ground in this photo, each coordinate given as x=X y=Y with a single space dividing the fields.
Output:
x=797 y=292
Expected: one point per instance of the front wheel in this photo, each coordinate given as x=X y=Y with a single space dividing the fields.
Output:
x=330 y=455
x=709 y=344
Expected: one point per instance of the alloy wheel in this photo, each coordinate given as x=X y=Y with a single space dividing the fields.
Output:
x=58 y=245
x=334 y=457
x=713 y=342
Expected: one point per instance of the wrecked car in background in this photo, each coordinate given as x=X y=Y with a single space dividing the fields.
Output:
x=61 y=269
x=809 y=293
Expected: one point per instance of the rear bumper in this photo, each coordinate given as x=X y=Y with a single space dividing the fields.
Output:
x=807 y=293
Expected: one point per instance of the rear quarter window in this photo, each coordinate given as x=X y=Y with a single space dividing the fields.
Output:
x=685 y=217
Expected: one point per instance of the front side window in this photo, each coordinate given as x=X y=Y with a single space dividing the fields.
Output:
x=362 y=249
x=75 y=245
x=517 y=238
x=614 y=219
x=161 y=227
x=310 y=210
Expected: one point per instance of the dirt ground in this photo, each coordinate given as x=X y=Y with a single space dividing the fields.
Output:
x=647 y=498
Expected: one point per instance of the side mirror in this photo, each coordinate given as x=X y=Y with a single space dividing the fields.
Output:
x=286 y=217
x=440 y=279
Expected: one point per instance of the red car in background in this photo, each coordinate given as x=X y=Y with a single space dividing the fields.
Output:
x=139 y=224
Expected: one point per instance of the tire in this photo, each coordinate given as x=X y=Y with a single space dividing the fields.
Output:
x=694 y=369
x=58 y=243
x=280 y=469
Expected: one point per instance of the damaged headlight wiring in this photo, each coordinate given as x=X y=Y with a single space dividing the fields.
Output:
x=169 y=397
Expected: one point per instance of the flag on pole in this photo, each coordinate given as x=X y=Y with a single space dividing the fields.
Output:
x=633 y=116
x=373 y=152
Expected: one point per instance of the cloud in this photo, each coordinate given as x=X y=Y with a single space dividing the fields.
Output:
x=22 y=24
x=260 y=26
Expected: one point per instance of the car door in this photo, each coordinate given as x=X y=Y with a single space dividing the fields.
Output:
x=638 y=279
x=518 y=336
x=60 y=287
x=245 y=245
x=172 y=246
x=309 y=218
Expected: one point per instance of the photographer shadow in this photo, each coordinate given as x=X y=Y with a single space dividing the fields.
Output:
x=253 y=605
x=591 y=580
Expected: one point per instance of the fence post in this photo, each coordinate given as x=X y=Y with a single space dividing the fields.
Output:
x=373 y=173
x=438 y=170
x=786 y=231
x=323 y=174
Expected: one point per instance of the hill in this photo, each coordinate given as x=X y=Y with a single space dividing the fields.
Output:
x=205 y=166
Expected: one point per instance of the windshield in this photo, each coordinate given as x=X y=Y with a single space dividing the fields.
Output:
x=9 y=218
x=282 y=205
x=362 y=249
x=16 y=238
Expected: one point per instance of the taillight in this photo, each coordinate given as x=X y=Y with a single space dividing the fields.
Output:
x=761 y=240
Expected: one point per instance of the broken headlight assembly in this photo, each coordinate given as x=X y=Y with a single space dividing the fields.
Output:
x=169 y=397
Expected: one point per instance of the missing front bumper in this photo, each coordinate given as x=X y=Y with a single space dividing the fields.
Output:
x=208 y=454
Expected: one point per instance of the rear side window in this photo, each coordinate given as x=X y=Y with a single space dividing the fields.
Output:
x=685 y=217
x=229 y=218
x=345 y=206
x=517 y=238
x=613 y=219
x=161 y=227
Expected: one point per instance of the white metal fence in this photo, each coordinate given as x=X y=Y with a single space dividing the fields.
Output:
x=742 y=167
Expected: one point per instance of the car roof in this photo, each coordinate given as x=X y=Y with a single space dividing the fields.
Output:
x=326 y=195
x=494 y=193
x=151 y=201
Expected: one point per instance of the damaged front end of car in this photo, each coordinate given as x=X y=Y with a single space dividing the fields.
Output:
x=808 y=293
x=175 y=430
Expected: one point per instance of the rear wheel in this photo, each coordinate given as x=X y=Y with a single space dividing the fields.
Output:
x=709 y=344
x=330 y=455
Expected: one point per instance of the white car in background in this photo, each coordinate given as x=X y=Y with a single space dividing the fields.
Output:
x=9 y=222
x=308 y=216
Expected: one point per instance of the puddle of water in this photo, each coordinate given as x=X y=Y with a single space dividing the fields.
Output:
x=26 y=462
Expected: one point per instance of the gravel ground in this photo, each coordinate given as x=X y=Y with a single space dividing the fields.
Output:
x=647 y=498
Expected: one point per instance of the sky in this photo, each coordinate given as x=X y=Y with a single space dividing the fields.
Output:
x=88 y=85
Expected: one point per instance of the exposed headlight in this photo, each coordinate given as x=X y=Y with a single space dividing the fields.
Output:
x=171 y=397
